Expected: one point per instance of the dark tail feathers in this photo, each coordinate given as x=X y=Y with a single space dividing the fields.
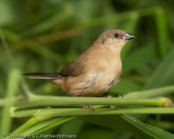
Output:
x=42 y=75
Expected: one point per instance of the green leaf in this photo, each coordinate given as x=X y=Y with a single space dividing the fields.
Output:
x=163 y=75
x=46 y=125
x=127 y=123
x=68 y=127
x=141 y=56
x=162 y=31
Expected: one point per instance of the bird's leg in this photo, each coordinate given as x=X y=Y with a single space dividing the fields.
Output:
x=88 y=106
x=109 y=96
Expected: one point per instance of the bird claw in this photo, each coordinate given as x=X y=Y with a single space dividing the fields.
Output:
x=120 y=96
x=91 y=107
x=109 y=96
x=88 y=106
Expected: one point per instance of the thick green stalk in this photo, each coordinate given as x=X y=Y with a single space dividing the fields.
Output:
x=81 y=111
x=66 y=101
x=14 y=99
x=151 y=93
x=13 y=80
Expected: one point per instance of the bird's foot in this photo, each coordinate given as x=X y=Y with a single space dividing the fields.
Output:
x=109 y=96
x=120 y=96
x=89 y=107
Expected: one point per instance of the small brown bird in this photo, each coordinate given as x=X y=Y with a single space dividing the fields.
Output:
x=95 y=71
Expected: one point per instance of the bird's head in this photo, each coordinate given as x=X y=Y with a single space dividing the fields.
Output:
x=114 y=39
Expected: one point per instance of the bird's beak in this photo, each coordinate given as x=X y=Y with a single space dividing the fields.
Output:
x=129 y=36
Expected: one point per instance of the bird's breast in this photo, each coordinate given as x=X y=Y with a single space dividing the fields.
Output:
x=102 y=75
x=110 y=74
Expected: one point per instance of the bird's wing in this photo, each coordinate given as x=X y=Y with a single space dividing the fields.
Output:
x=74 y=68
x=77 y=66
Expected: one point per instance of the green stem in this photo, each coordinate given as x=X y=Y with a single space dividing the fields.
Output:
x=13 y=80
x=14 y=99
x=162 y=31
x=66 y=101
x=81 y=111
x=25 y=91
x=151 y=93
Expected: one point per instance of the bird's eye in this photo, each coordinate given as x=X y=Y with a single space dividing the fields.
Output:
x=116 y=35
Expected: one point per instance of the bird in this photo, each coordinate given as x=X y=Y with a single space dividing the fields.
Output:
x=95 y=71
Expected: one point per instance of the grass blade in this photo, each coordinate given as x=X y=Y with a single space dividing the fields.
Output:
x=13 y=80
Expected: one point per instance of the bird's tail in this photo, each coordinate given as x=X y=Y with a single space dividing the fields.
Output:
x=42 y=75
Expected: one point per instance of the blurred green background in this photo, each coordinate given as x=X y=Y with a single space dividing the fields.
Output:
x=43 y=36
